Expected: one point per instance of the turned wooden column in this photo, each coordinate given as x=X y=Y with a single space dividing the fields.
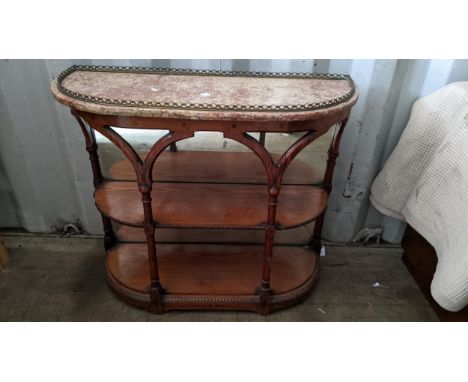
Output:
x=92 y=149
x=265 y=291
x=333 y=153
x=149 y=228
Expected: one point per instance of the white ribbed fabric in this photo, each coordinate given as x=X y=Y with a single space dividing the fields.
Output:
x=425 y=182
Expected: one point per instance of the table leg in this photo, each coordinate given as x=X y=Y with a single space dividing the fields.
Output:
x=333 y=152
x=92 y=148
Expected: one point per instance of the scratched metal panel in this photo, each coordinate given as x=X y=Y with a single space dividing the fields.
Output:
x=45 y=178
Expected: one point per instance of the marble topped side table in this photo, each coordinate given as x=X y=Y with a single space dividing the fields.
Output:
x=183 y=190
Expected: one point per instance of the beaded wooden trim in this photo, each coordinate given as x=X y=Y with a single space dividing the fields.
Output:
x=204 y=106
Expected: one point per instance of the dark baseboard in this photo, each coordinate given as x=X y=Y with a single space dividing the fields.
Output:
x=421 y=260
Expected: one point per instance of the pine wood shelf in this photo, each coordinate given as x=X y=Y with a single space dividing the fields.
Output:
x=222 y=200
x=201 y=205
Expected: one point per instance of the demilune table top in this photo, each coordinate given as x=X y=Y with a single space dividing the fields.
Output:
x=200 y=94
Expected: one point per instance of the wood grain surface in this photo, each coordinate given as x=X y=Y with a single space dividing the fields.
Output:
x=209 y=205
x=210 y=269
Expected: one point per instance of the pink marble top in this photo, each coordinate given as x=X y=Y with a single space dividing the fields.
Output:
x=191 y=95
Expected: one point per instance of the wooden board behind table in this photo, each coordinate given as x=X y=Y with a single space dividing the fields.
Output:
x=421 y=260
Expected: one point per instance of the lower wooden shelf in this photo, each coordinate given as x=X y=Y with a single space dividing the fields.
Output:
x=211 y=276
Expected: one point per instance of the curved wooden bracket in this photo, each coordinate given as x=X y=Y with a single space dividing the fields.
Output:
x=167 y=140
x=143 y=169
x=275 y=171
x=92 y=148
x=257 y=148
x=285 y=159
x=123 y=145
x=90 y=139
x=333 y=152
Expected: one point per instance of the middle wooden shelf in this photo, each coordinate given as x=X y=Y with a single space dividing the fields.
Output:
x=202 y=205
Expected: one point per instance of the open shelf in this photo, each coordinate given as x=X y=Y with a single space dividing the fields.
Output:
x=190 y=272
x=214 y=166
x=202 y=205
x=219 y=196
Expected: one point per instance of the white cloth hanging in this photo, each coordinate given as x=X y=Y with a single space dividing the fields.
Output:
x=425 y=182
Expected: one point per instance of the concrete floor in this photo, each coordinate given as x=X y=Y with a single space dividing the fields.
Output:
x=60 y=279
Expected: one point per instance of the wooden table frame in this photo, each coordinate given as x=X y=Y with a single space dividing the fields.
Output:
x=263 y=300
x=157 y=190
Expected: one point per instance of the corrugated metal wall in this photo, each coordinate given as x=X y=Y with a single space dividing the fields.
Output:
x=45 y=177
